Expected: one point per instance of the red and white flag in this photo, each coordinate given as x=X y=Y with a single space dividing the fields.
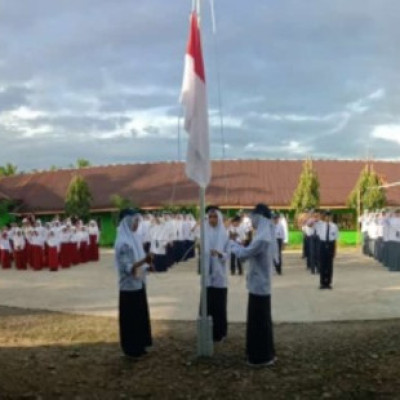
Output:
x=194 y=100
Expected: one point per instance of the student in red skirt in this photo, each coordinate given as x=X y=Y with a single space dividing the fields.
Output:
x=5 y=249
x=19 y=250
x=28 y=247
x=65 y=256
x=53 y=246
x=74 y=247
x=94 y=235
x=83 y=244
x=37 y=247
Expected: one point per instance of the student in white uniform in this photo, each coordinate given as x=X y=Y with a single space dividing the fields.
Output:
x=393 y=262
x=246 y=225
x=158 y=244
x=216 y=253
x=285 y=226
x=237 y=228
x=328 y=234
x=280 y=240
x=260 y=253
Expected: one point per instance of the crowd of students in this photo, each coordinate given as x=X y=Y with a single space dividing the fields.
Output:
x=169 y=238
x=53 y=245
x=381 y=237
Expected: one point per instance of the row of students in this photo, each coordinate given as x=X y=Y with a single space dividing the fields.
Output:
x=132 y=265
x=320 y=236
x=170 y=238
x=52 y=246
x=381 y=237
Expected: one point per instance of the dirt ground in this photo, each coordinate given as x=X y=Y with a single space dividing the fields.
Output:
x=47 y=355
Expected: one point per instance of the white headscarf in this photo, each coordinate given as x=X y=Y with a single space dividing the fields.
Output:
x=125 y=236
x=93 y=228
x=216 y=238
x=19 y=240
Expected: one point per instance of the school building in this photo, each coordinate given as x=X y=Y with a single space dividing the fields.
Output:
x=236 y=184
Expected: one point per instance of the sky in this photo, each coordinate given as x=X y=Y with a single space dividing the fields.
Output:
x=290 y=79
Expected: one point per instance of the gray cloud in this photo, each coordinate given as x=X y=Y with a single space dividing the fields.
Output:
x=101 y=80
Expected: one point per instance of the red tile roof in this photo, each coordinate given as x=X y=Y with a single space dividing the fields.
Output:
x=236 y=183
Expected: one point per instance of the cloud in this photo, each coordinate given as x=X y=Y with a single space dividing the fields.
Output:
x=291 y=149
x=390 y=133
x=84 y=78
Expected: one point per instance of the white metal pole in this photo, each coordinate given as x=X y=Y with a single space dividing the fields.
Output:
x=205 y=345
x=202 y=254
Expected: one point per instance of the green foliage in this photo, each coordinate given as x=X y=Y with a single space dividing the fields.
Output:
x=82 y=163
x=6 y=207
x=8 y=170
x=371 y=197
x=306 y=194
x=120 y=202
x=374 y=198
x=78 y=198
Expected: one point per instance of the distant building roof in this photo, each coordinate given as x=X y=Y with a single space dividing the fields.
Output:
x=236 y=183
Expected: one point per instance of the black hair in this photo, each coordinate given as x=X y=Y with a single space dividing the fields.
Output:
x=262 y=209
x=125 y=212
x=212 y=208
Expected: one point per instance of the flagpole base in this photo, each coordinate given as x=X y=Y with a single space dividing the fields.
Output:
x=205 y=343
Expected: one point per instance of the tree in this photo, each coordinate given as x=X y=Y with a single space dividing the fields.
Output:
x=366 y=191
x=6 y=208
x=8 y=170
x=120 y=202
x=82 y=163
x=306 y=194
x=78 y=198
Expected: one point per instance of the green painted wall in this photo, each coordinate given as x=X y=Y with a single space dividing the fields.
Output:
x=346 y=238
x=108 y=225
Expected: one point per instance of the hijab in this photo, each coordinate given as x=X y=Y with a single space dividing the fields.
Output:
x=215 y=237
x=125 y=236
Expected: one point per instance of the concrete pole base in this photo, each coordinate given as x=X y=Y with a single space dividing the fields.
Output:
x=205 y=344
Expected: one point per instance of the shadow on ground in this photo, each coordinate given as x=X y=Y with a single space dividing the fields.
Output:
x=59 y=356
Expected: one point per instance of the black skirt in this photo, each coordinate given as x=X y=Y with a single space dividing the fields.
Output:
x=217 y=299
x=134 y=322
x=160 y=262
x=259 y=338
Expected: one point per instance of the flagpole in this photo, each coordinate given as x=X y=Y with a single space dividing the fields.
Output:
x=205 y=345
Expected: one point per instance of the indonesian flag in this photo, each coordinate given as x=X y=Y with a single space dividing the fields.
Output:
x=194 y=100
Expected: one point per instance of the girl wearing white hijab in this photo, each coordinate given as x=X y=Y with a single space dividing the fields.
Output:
x=260 y=253
x=5 y=250
x=216 y=254
x=53 y=249
x=74 y=246
x=19 y=249
x=132 y=263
